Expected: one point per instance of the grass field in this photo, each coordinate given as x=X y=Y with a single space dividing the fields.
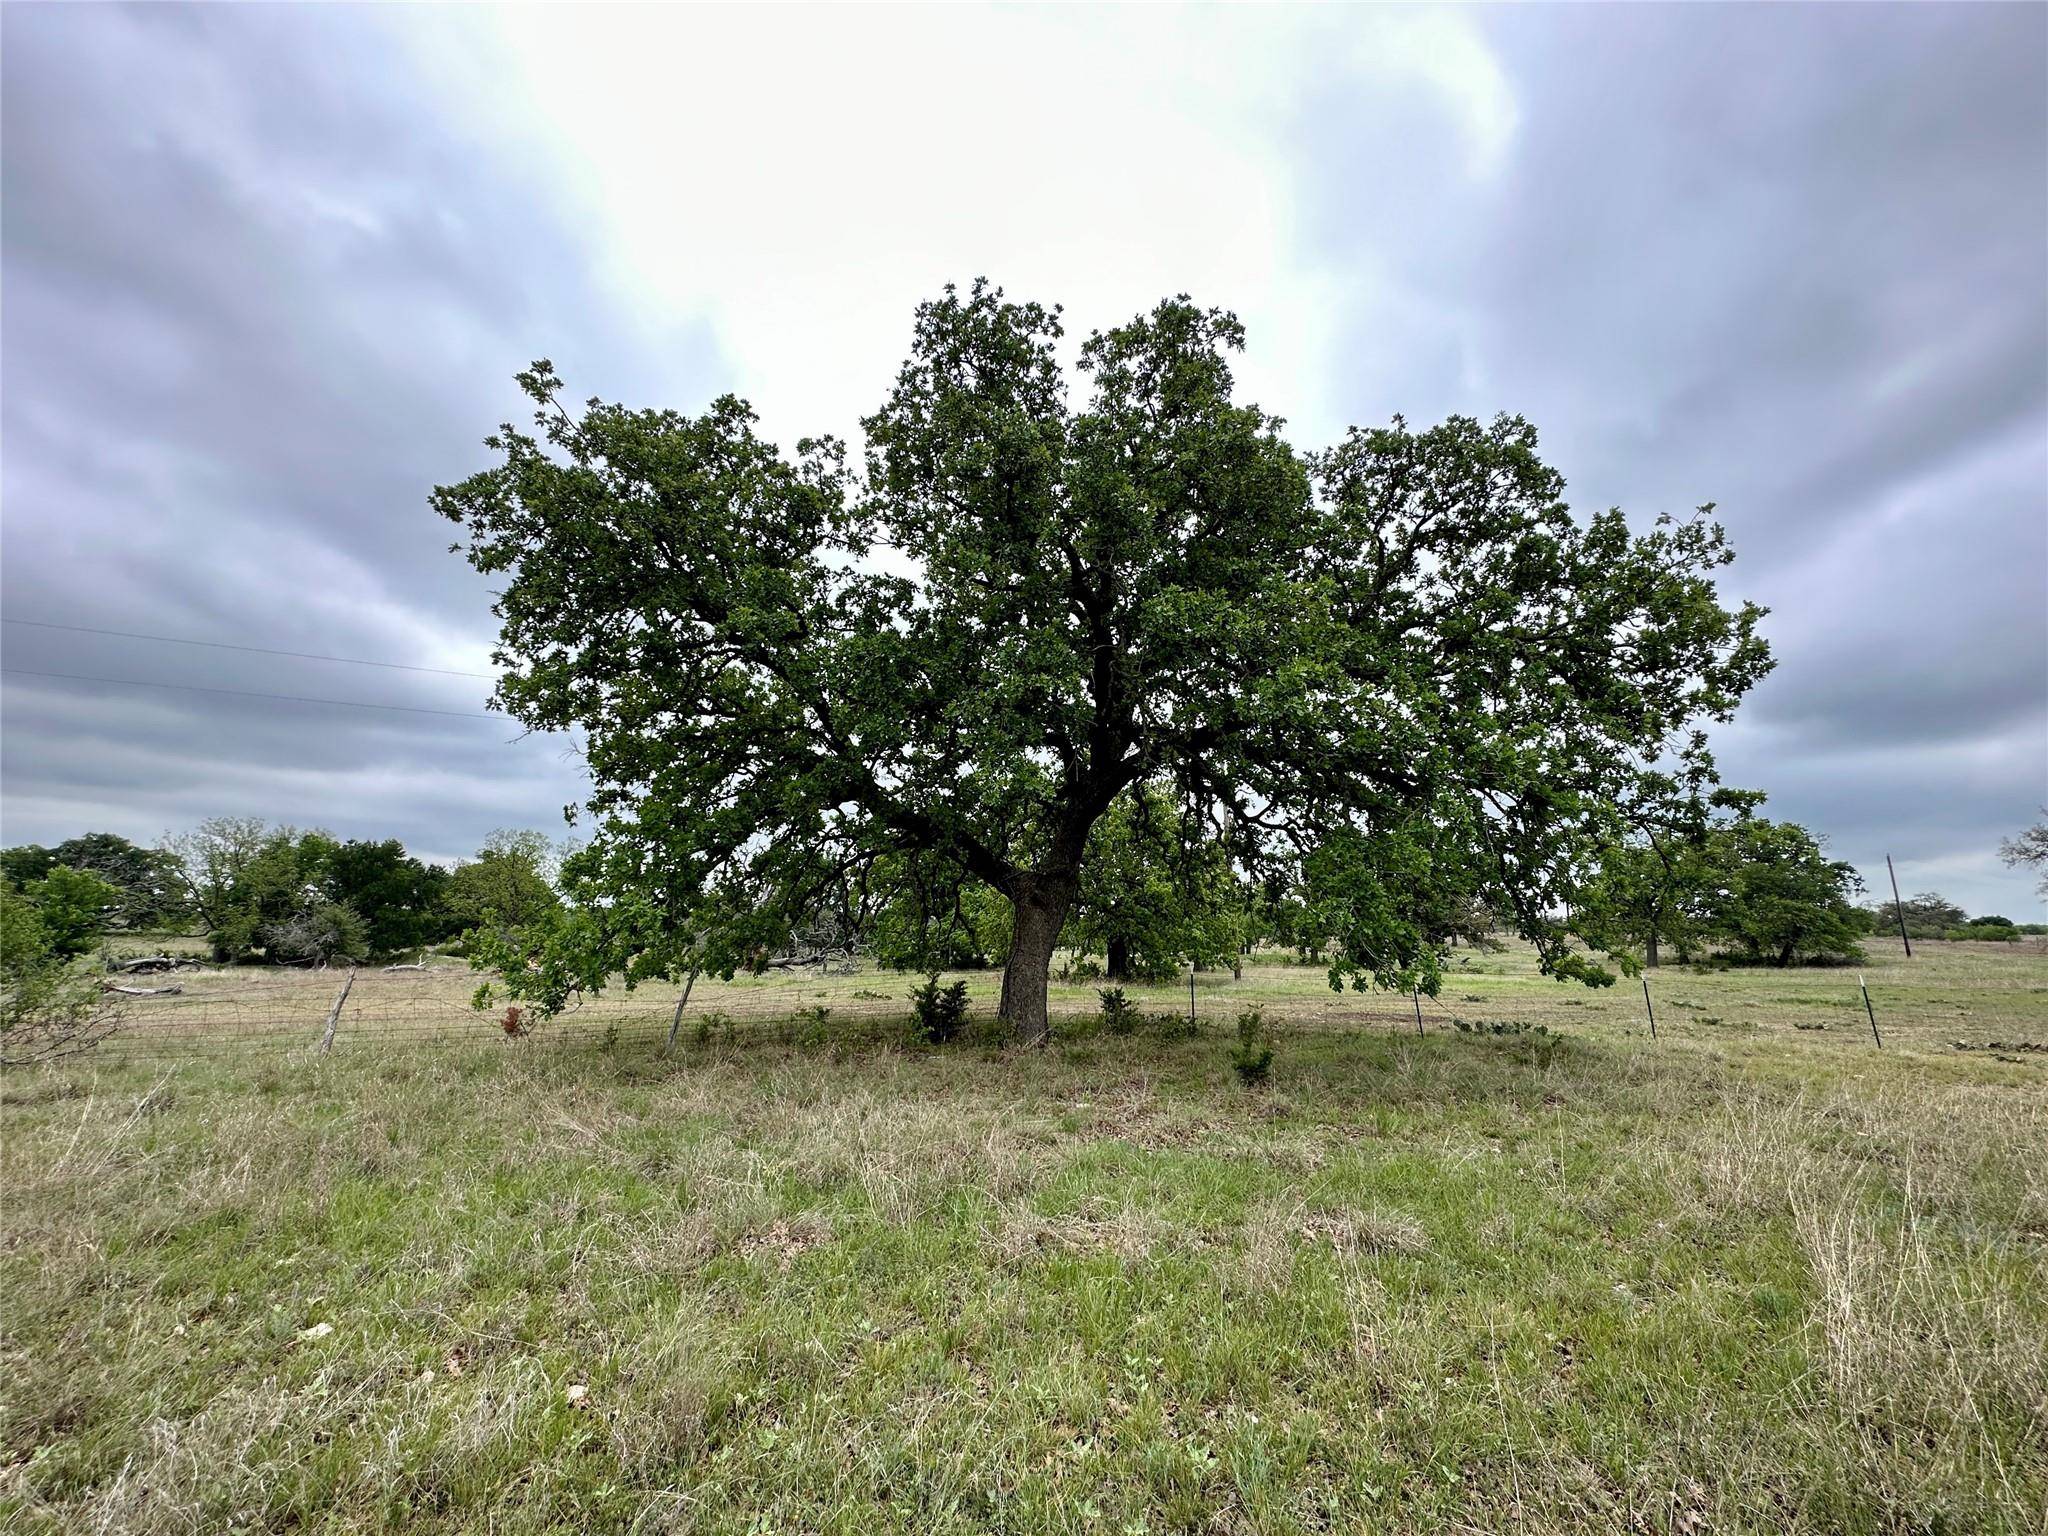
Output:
x=1754 y=1275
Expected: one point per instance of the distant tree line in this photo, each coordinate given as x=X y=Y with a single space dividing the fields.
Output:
x=276 y=894
x=1734 y=885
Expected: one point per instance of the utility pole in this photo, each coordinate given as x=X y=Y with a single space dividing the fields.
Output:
x=1898 y=906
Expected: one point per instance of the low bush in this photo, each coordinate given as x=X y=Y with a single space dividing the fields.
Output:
x=1119 y=1014
x=938 y=1013
x=1252 y=1057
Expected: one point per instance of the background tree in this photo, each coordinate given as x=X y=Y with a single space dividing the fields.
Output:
x=1655 y=883
x=401 y=901
x=2029 y=849
x=1647 y=893
x=1776 y=895
x=147 y=880
x=1398 y=674
x=1928 y=915
x=923 y=914
x=25 y=862
x=506 y=885
x=264 y=891
x=73 y=907
x=1152 y=899
x=213 y=859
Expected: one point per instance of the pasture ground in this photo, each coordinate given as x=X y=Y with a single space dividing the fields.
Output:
x=1755 y=1275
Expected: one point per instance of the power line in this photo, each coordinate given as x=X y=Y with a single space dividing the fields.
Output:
x=242 y=693
x=255 y=650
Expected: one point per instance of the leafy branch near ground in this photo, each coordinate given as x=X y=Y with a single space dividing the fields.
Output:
x=52 y=1004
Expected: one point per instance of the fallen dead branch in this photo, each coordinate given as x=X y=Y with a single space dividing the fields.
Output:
x=152 y=963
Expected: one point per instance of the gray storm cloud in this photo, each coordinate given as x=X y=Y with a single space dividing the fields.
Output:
x=268 y=272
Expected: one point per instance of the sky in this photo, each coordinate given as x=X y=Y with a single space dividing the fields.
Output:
x=266 y=274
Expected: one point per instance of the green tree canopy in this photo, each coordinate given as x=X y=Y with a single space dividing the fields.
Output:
x=1398 y=673
x=25 y=862
x=1657 y=883
x=1776 y=894
x=399 y=898
x=1152 y=898
x=506 y=885
x=74 y=907
x=148 y=880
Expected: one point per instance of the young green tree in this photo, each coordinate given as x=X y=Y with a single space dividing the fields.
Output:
x=74 y=907
x=50 y=1004
x=1778 y=896
x=1397 y=668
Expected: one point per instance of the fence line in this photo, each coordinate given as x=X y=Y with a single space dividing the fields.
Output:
x=221 y=1010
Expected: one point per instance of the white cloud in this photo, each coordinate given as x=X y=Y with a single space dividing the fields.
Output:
x=804 y=177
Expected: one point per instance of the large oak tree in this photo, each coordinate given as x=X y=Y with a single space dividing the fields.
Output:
x=1395 y=674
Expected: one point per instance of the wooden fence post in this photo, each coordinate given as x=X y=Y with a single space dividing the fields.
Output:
x=676 y=1023
x=334 y=1013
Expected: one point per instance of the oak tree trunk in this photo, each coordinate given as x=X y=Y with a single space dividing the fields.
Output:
x=1118 y=964
x=1040 y=913
x=1650 y=958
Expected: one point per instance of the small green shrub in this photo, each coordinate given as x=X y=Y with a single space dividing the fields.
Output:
x=1119 y=1014
x=938 y=1013
x=1252 y=1056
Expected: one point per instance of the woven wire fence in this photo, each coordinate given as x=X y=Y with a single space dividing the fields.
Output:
x=199 y=1010
x=202 y=1009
